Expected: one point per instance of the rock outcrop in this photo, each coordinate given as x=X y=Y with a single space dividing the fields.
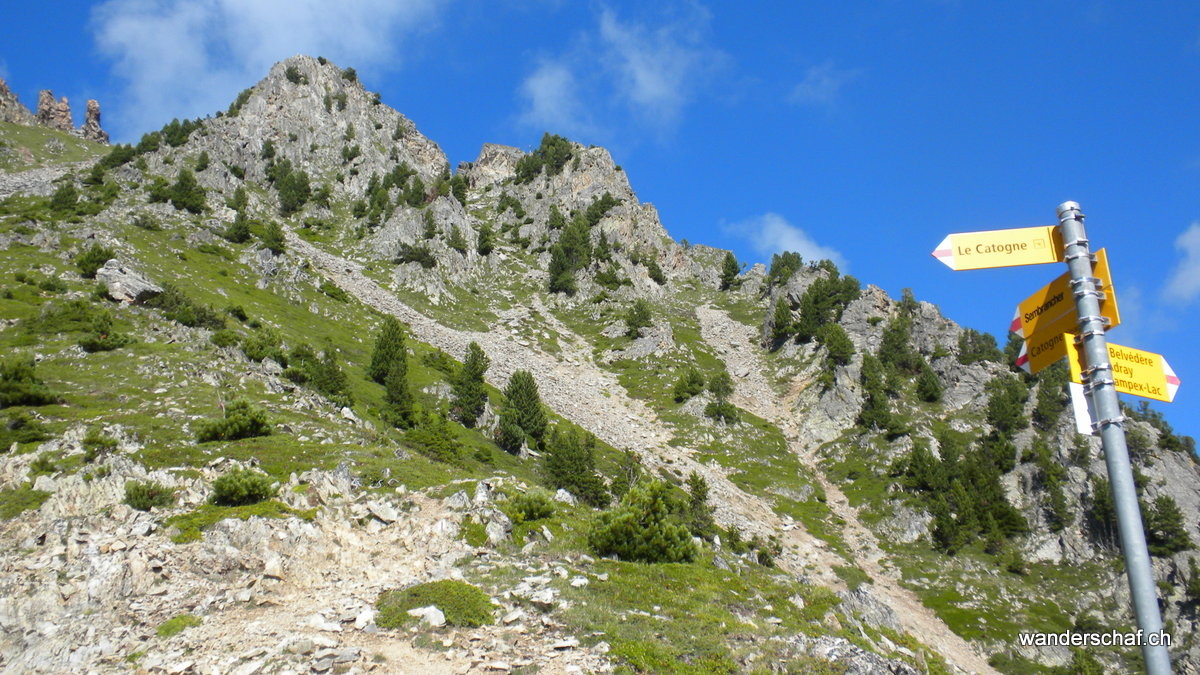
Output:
x=91 y=123
x=11 y=109
x=53 y=114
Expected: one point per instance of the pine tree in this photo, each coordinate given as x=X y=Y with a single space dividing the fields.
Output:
x=485 y=241
x=729 y=271
x=781 y=328
x=522 y=397
x=833 y=337
x=637 y=318
x=1165 y=532
x=272 y=238
x=690 y=383
x=389 y=347
x=699 y=513
x=187 y=193
x=570 y=464
x=643 y=528
x=402 y=408
x=928 y=387
x=469 y=394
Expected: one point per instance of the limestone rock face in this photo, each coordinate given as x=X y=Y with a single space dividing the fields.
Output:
x=11 y=109
x=91 y=123
x=53 y=114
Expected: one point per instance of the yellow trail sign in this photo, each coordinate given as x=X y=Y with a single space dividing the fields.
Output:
x=1134 y=372
x=1051 y=310
x=1001 y=248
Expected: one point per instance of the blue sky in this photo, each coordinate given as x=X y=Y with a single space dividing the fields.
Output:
x=859 y=131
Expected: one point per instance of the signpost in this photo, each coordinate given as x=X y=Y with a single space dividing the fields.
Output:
x=1051 y=310
x=1134 y=372
x=1001 y=248
x=1052 y=332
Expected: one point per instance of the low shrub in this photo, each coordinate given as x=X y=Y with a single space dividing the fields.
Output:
x=93 y=259
x=21 y=428
x=242 y=487
x=96 y=445
x=463 y=605
x=147 y=495
x=19 y=385
x=644 y=528
x=529 y=506
x=241 y=420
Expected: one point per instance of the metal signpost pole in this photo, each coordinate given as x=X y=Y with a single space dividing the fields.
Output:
x=1112 y=434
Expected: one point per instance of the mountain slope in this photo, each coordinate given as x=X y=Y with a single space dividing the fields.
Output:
x=371 y=223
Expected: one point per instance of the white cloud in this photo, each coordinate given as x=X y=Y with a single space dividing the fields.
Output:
x=822 y=85
x=1184 y=284
x=552 y=103
x=772 y=233
x=657 y=69
x=652 y=70
x=182 y=58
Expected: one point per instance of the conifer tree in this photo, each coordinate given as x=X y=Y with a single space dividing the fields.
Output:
x=928 y=387
x=643 y=528
x=469 y=394
x=690 y=383
x=729 y=270
x=272 y=238
x=781 y=329
x=570 y=464
x=521 y=395
x=699 y=513
x=402 y=408
x=389 y=347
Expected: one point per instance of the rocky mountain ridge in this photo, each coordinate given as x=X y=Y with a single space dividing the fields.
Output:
x=799 y=466
x=52 y=114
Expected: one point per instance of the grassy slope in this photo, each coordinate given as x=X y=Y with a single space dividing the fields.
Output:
x=43 y=151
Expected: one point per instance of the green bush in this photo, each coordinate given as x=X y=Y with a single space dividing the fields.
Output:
x=21 y=428
x=144 y=496
x=462 y=604
x=102 y=337
x=241 y=421
x=15 y=501
x=643 y=528
x=93 y=259
x=179 y=308
x=637 y=318
x=96 y=445
x=224 y=338
x=19 y=385
x=264 y=343
x=690 y=383
x=418 y=254
x=434 y=438
x=242 y=487
x=238 y=232
x=527 y=506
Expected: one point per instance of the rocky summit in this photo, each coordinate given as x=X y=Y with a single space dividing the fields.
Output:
x=284 y=392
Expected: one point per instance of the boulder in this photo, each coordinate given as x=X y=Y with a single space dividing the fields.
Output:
x=125 y=284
